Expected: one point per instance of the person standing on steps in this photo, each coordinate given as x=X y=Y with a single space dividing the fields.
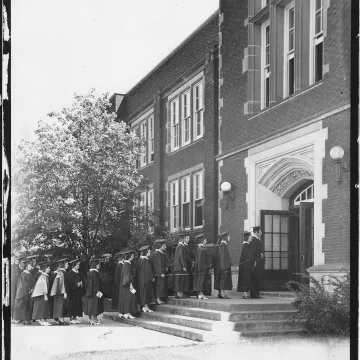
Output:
x=188 y=280
x=246 y=266
x=76 y=290
x=145 y=279
x=225 y=266
x=127 y=298
x=22 y=308
x=257 y=274
x=117 y=276
x=16 y=269
x=201 y=268
x=180 y=267
x=159 y=267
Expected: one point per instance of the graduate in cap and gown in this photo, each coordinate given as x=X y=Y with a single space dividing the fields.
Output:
x=201 y=268
x=22 y=308
x=246 y=266
x=159 y=266
x=93 y=293
x=180 y=269
x=76 y=291
x=188 y=279
x=145 y=279
x=257 y=274
x=16 y=269
x=59 y=292
x=225 y=266
x=117 y=277
x=127 y=299
x=41 y=310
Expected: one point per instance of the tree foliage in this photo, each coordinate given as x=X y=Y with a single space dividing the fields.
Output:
x=72 y=183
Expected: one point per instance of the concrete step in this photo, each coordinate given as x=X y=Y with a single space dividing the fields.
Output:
x=272 y=333
x=262 y=315
x=194 y=323
x=278 y=294
x=267 y=325
x=233 y=304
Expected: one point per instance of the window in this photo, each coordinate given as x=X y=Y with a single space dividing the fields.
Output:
x=198 y=110
x=316 y=51
x=151 y=139
x=289 y=68
x=265 y=3
x=143 y=156
x=135 y=131
x=185 y=201
x=265 y=54
x=198 y=200
x=174 y=204
x=186 y=117
x=175 y=124
x=306 y=195
x=150 y=203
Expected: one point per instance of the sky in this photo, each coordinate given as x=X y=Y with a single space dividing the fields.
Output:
x=59 y=48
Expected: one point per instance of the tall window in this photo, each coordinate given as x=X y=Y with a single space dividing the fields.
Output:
x=143 y=158
x=265 y=3
x=198 y=199
x=198 y=110
x=151 y=199
x=151 y=139
x=265 y=49
x=185 y=102
x=135 y=131
x=317 y=41
x=289 y=67
x=185 y=201
x=175 y=124
x=174 y=204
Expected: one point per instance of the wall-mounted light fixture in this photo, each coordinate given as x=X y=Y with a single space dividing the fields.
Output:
x=337 y=153
x=229 y=191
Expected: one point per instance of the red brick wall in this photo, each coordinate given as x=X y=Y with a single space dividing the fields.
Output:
x=336 y=208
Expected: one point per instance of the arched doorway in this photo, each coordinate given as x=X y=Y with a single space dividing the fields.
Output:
x=288 y=233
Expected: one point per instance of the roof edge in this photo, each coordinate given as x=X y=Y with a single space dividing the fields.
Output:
x=174 y=51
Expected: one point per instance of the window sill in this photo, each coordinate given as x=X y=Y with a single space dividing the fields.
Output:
x=288 y=98
x=145 y=166
x=185 y=146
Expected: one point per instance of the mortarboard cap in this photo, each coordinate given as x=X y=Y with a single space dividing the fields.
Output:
x=143 y=248
x=22 y=259
x=159 y=241
x=74 y=261
x=223 y=234
x=107 y=255
x=31 y=257
x=200 y=236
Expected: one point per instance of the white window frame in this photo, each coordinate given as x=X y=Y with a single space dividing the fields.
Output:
x=264 y=3
x=306 y=198
x=199 y=196
x=186 y=116
x=288 y=53
x=150 y=139
x=150 y=203
x=143 y=135
x=174 y=205
x=198 y=111
x=315 y=38
x=265 y=68
x=135 y=130
x=175 y=126
x=185 y=199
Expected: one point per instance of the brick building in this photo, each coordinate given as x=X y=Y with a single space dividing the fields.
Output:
x=257 y=97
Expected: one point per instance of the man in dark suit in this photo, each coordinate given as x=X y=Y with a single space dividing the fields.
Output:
x=257 y=252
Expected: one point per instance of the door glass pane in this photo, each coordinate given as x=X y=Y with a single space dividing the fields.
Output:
x=268 y=264
x=268 y=223
x=268 y=254
x=276 y=254
x=284 y=263
x=276 y=263
x=268 y=246
x=284 y=242
x=276 y=224
x=276 y=242
x=284 y=224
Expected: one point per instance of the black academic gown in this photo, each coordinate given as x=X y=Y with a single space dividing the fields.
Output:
x=15 y=274
x=144 y=281
x=180 y=262
x=202 y=270
x=41 y=309
x=127 y=300
x=246 y=265
x=225 y=267
x=92 y=287
x=188 y=280
x=117 y=277
x=217 y=270
x=22 y=309
x=257 y=273
x=75 y=307
x=159 y=267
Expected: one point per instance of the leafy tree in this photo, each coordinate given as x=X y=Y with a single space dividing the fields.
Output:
x=73 y=184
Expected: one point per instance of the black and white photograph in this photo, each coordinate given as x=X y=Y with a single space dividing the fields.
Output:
x=182 y=182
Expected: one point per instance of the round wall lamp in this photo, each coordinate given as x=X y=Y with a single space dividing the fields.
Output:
x=228 y=191
x=337 y=154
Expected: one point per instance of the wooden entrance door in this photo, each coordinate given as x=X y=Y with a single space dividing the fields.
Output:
x=280 y=244
x=306 y=246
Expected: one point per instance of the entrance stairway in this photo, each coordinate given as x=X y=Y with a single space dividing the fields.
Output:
x=218 y=319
